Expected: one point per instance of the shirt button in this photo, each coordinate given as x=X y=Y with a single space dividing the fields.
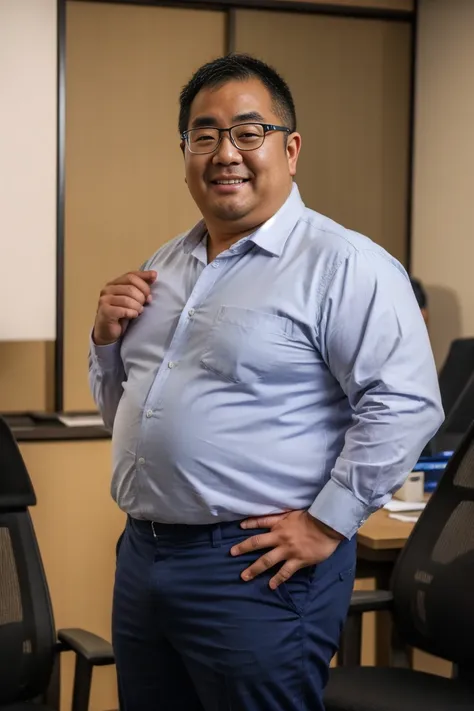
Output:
x=215 y=263
x=191 y=313
x=141 y=460
x=149 y=413
x=171 y=364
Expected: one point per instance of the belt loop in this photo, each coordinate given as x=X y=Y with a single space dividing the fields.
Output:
x=153 y=528
x=216 y=535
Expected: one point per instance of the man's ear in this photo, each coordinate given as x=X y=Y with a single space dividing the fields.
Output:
x=293 y=148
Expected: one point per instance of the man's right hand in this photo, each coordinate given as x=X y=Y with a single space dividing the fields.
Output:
x=120 y=300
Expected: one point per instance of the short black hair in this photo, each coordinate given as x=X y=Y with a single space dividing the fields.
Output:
x=238 y=67
x=420 y=293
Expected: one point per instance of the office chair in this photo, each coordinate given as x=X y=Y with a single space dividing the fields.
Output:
x=454 y=378
x=29 y=646
x=456 y=372
x=458 y=421
x=432 y=602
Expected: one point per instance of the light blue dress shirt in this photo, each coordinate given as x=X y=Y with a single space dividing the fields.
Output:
x=292 y=372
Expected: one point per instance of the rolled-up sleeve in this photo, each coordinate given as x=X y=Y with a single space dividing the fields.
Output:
x=375 y=343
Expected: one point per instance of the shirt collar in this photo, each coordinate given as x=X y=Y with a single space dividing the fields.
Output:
x=271 y=236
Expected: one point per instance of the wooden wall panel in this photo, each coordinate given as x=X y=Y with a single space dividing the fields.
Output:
x=443 y=214
x=25 y=374
x=125 y=189
x=351 y=83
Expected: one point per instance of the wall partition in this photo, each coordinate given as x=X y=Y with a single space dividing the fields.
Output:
x=350 y=80
x=125 y=189
x=120 y=179
x=443 y=243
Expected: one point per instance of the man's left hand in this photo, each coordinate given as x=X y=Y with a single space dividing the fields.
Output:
x=296 y=538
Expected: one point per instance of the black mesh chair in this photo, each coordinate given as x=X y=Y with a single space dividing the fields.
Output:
x=456 y=379
x=456 y=371
x=29 y=646
x=432 y=602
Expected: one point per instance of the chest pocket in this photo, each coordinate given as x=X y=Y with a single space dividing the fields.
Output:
x=244 y=345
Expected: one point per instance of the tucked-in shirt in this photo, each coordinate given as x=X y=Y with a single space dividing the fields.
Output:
x=294 y=371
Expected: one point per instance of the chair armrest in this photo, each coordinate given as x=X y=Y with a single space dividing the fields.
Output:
x=351 y=637
x=92 y=648
x=370 y=601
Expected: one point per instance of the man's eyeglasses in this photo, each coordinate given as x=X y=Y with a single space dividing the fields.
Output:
x=244 y=136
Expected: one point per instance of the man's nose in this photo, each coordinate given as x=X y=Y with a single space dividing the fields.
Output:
x=227 y=152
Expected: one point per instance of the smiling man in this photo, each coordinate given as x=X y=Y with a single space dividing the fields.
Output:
x=269 y=381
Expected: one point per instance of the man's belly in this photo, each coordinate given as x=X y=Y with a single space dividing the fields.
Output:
x=192 y=460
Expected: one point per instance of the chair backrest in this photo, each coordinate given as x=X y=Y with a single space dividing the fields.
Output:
x=458 y=420
x=456 y=371
x=27 y=636
x=433 y=580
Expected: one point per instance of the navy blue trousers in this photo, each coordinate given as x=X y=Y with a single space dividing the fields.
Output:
x=190 y=635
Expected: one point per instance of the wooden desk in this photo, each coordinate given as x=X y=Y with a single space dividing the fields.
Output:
x=379 y=542
x=381 y=533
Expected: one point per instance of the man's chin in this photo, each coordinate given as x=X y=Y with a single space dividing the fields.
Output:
x=227 y=214
x=230 y=210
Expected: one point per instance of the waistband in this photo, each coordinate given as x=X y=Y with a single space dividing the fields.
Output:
x=195 y=533
x=171 y=535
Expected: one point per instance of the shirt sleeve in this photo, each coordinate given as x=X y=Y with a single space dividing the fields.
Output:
x=106 y=375
x=375 y=343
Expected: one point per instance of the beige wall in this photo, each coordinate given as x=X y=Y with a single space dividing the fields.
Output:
x=125 y=189
x=351 y=87
x=443 y=222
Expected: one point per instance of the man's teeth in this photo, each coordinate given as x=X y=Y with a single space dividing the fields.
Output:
x=229 y=182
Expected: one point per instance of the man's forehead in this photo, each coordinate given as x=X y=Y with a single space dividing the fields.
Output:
x=232 y=99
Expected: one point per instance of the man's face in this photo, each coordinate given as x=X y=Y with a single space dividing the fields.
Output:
x=267 y=171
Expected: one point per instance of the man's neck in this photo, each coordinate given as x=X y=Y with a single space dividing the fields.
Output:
x=220 y=237
x=218 y=242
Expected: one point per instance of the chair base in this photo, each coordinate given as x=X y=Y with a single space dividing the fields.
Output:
x=391 y=689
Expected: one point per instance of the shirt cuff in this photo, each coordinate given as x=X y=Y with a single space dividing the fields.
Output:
x=339 y=509
x=106 y=357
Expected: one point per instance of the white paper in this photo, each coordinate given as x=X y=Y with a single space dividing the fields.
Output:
x=81 y=420
x=398 y=506
x=404 y=518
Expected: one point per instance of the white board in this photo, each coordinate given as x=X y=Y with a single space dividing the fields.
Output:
x=28 y=119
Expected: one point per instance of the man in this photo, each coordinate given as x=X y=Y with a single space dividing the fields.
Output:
x=421 y=298
x=269 y=385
